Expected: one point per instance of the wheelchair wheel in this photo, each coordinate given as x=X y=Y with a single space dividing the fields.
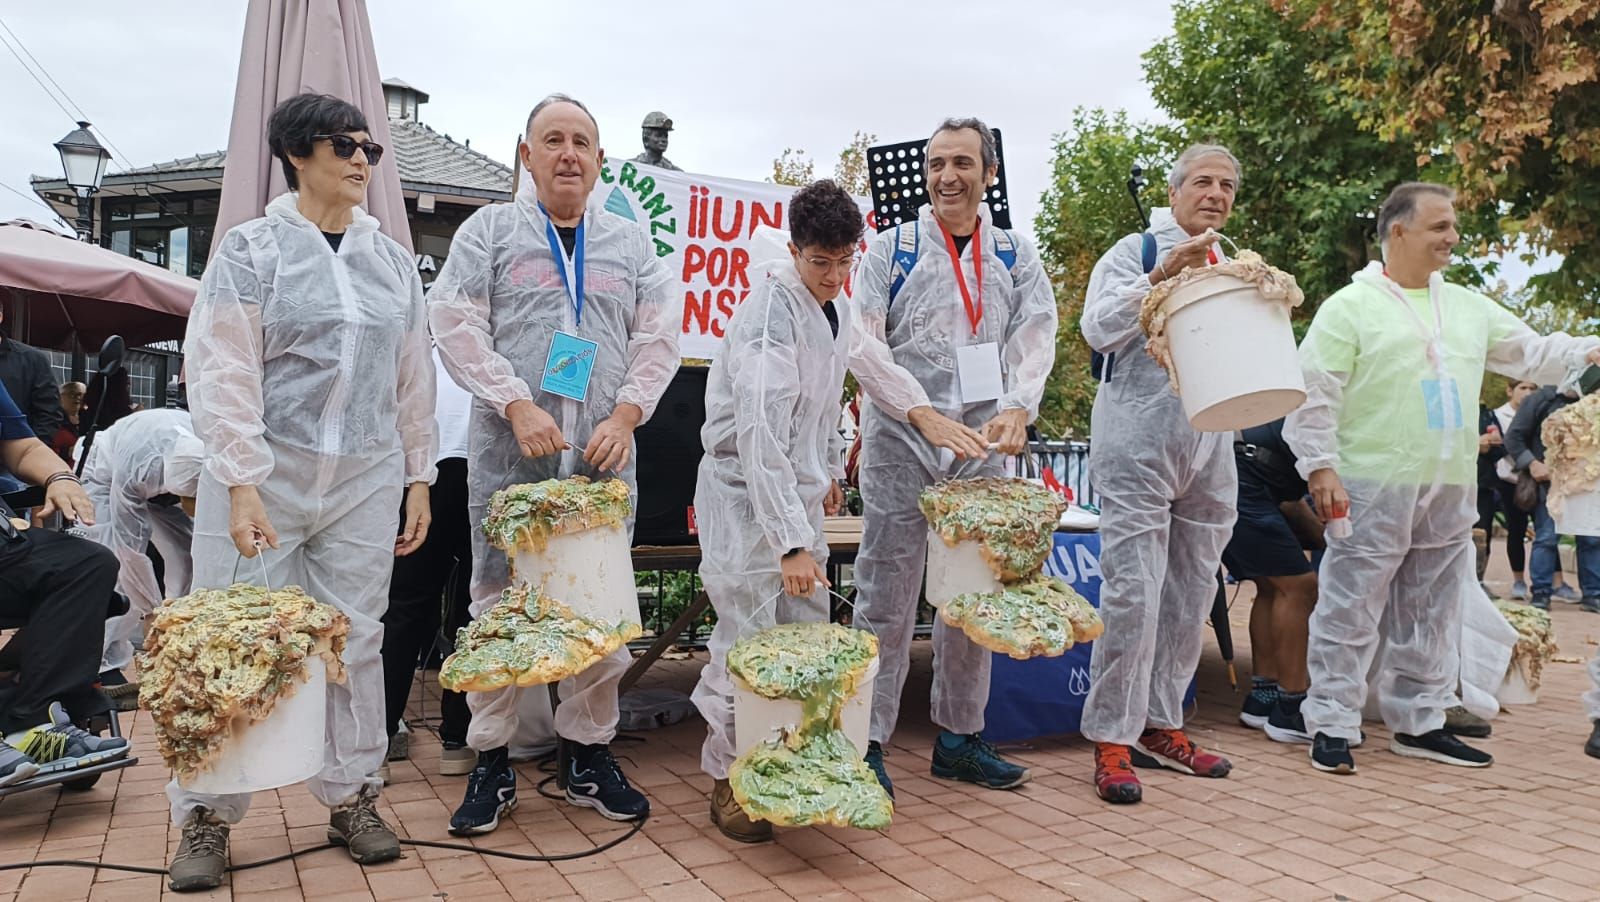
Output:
x=82 y=784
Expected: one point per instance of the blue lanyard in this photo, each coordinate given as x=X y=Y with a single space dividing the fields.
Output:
x=559 y=252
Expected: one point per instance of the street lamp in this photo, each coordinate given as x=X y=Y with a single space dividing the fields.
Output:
x=84 y=160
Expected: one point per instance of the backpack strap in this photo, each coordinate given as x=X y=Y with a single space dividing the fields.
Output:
x=906 y=242
x=1100 y=364
x=1005 y=247
x=1149 y=253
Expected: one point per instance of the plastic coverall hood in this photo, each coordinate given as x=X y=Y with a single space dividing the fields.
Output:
x=1374 y=360
x=141 y=456
x=495 y=308
x=773 y=450
x=1168 y=496
x=310 y=378
x=904 y=355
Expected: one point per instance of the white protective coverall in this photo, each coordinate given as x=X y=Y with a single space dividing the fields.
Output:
x=773 y=450
x=1379 y=363
x=310 y=378
x=143 y=456
x=904 y=355
x=1168 y=497
x=495 y=308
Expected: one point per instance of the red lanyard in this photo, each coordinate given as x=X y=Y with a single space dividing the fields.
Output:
x=974 y=311
x=1211 y=255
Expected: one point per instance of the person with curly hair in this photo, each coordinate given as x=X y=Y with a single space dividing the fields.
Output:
x=773 y=461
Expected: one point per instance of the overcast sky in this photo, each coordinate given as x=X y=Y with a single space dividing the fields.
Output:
x=741 y=80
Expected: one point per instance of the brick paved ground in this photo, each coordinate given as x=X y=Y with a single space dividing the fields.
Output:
x=1528 y=827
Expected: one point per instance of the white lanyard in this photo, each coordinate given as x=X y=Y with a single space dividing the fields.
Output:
x=1434 y=340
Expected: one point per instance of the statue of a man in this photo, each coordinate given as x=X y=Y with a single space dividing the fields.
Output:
x=654 y=133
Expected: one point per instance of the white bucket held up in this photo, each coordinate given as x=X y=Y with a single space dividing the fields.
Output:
x=957 y=571
x=1234 y=353
x=1515 y=690
x=283 y=749
x=1580 y=514
x=590 y=572
x=757 y=719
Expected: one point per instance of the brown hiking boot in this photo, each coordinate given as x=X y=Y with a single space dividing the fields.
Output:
x=202 y=856
x=732 y=820
x=357 y=826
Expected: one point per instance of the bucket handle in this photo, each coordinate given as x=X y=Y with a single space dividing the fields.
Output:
x=1230 y=241
x=261 y=555
x=772 y=602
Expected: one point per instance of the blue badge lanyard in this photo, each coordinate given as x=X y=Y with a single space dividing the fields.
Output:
x=560 y=254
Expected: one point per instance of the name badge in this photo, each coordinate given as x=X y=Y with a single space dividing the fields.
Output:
x=568 y=366
x=1443 y=401
x=978 y=368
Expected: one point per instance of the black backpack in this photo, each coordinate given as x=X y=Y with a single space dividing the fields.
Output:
x=1100 y=364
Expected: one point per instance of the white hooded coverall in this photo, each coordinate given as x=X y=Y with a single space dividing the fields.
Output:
x=904 y=355
x=310 y=378
x=1168 y=497
x=773 y=450
x=495 y=308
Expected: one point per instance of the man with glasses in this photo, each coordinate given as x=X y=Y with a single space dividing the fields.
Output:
x=953 y=344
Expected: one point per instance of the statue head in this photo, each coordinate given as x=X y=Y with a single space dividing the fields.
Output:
x=654 y=133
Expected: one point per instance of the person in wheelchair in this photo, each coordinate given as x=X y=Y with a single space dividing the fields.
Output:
x=55 y=590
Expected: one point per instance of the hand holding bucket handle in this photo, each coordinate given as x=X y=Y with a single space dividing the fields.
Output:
x=744 y=627
x=259 y=543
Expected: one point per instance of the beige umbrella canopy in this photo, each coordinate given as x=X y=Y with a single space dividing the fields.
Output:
x=292 y=47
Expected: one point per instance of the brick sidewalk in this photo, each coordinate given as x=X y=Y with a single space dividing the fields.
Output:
x=1527 y=827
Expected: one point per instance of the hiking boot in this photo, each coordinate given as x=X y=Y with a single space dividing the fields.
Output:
x=202 y=856
x=1255 y=712
x=123 y=694
x=1592 y=605
x=15 y=766
x=1519 y=590
x=1172 y=749
x=971 y=759
x=400 y=744
x=62 y=745
x=1542 y=602
x=875 y=761
x=357 y=826
x=491 y=792
x=1287 y=724
x=1114 y=779
x=1330 y=754
x=1441 y=746
x=455 y=759
x=594 y=780
x=1592 y=747
x=1460 y=721
x=732 y=819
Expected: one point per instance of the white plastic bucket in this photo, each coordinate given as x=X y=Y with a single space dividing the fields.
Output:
x=1235 y=355
x=285 y=748
x=1580 y=515
x=957 y=571
x=1515 y=690
x=590 y=572
x=757 y=719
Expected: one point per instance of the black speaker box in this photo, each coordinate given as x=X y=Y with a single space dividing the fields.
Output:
x=669 y=457
x=899 y=187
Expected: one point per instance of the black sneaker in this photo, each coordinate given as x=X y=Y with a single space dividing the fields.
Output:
x=62 y=745
x=1460 y=721
x=875 y=761
x=1286 y=724
x=1542 y=602
x=595 y=781
x=1255 y=712
x=975 y=761
x=491 y=792
x=1592 y=605
x=1331 y=754
x=1592 y=747
x=1439 y=745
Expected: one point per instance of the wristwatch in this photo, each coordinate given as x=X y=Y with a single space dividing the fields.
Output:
x=792 y=552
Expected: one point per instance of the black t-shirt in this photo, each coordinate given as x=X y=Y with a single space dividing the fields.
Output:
x=961 y=242
x=333 y=239
x=833 y=317
x=569 y=238
x=1265 y=459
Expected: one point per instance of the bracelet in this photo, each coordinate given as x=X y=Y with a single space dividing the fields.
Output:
x=60 y=476
x=1162 y=266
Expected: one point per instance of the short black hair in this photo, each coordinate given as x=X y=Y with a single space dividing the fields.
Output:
x=824 y=215
x=292 y=124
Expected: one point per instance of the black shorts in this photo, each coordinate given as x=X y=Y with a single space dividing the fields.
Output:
x=1262 y=542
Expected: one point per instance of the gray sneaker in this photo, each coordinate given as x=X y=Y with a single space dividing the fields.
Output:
x=62 y=745
x=358 y=827
x=202 y=857
x=1566 y=594
x=1519 y=590
x=15 y=766
x=400 y=743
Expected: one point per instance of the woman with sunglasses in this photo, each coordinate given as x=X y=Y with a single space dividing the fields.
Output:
x=311 y=384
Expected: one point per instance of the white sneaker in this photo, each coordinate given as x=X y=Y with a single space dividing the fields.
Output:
x=456 y=762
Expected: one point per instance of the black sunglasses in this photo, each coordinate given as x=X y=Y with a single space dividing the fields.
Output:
x=344 y=147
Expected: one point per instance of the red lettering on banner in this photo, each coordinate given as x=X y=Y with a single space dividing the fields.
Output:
x=697 y=311
x=736 y=272
x=731 y=232
x=694 y=260
x=759 y=216
x=726 y=301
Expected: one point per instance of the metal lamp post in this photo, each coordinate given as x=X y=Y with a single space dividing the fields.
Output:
x=84 y=161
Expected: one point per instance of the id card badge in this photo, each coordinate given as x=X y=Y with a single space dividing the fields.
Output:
x=978 y=368
x=568 y=366
x=1443 y=401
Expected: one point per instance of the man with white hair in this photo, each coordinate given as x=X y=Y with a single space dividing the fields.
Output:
x=142 y=475
x=1391 y=362
x=1167 y=494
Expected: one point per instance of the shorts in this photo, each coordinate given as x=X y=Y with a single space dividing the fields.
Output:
x=1262 y=544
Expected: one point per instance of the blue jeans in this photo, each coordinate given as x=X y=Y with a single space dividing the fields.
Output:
x=1546 y=556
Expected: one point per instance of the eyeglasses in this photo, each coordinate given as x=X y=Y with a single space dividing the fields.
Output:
x=843 y=264
x=344 y=147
